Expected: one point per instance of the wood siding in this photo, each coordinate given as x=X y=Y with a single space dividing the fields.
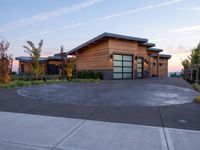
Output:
x=95 y=57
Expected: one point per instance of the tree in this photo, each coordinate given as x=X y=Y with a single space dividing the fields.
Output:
x=35 y=53
x=186 y=67
x=5 y=63
x=191 y=64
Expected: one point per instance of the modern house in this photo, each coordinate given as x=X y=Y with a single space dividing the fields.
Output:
x=115 y=56
x=50 y=65
x=121 y=57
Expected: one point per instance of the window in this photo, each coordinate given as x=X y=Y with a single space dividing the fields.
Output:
x=160 y=64
x=154 y=64
x=22 y=68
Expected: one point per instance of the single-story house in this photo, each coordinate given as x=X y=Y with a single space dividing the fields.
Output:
x=115 y=56
x=50 y=65
x=121 y=57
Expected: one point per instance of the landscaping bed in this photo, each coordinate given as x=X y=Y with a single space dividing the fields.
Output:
x=21 y=83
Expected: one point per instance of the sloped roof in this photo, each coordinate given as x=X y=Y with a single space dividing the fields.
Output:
x=28 y=59
x=161 y=56
x=108 y=35
x=155 y=49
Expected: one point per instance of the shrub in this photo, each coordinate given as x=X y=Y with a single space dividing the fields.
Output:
x=197 y=100
x=37 y=82
x=196 y=86
x=55 y=81
x=89 y=75
x=16 y=83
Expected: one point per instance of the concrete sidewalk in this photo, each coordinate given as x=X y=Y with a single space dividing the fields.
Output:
x=36 y=132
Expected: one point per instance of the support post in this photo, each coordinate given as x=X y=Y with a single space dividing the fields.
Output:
x=158 y=65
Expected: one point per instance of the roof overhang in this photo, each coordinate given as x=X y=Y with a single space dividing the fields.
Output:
x=155 y=49
x=103 y=37
x=148 y=44
x=161 y=56
x=28 y=59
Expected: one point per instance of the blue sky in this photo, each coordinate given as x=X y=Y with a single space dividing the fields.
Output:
x=174 y=25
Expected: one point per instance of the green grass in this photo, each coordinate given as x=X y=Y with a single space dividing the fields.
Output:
x=19 y=83
x=197 y=99
x=196 y=86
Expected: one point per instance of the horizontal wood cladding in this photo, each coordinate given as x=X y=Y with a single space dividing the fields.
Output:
x=122 y=46
x=163 y=67
x=95 y=57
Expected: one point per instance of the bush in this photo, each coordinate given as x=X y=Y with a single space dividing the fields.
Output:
x=88 y=75
x=55 y=81
x=86 y=80
x=16 y=83
x=197 y=100
x=196 y=86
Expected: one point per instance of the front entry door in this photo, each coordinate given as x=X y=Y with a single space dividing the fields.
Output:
x=140 y=67
x=122 y=66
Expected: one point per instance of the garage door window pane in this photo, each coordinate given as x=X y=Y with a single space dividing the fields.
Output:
x=117 y=63
x=117 y=69
x=127 y=58
x=117 y=76
x=139 y=65
x=127 y=63
x=127 y=75
x=127 y=69
x=117 y=57
x=139 y=60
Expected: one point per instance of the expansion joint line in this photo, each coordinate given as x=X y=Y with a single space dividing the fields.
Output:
x=163 y=127
x=75 y=129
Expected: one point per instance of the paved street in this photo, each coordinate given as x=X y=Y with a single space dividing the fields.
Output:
x=42 y=124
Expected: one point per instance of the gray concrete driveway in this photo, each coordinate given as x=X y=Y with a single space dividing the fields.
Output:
x=153 y=114
x=150 y=92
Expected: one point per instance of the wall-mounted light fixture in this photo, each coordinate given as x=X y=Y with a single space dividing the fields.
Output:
x=111 y=56
x=135 y=58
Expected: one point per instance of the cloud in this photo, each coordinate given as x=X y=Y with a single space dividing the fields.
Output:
x=49 y=15
x=186 y=29
x=140 y=9
x=191 y=8
x=49 y=31
x=61 y=28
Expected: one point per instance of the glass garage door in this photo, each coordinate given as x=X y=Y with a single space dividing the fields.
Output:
x=140 y=67
x=122 y=66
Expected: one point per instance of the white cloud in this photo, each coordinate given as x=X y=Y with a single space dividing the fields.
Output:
x=191 y=8
x=49 y=31
x=49 y=15
x=61 y=28
x=186 y=29
x=135 y=10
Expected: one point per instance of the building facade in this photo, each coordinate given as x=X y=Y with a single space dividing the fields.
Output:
x=49 y=65
x=121 y=57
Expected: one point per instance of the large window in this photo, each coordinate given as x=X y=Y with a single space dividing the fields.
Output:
x=122 y=66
